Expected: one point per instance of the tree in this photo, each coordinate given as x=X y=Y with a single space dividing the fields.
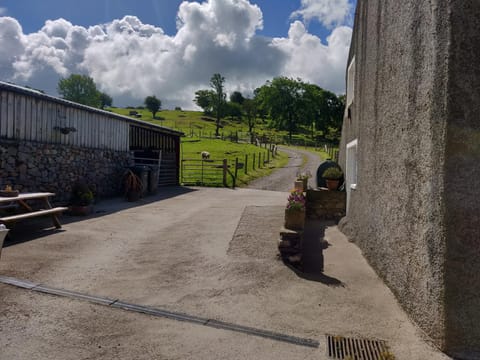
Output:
x=282 y=97
x=204 y=99
x=250 y=110
x=80 y=89
x=153 y=104
x=234 y=110
x=237 y=97
x=105 y=100
x=216 y=82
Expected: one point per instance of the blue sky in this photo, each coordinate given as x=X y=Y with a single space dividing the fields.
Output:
x=234 y=34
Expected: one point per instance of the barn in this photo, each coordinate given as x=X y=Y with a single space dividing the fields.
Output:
x=48 y=143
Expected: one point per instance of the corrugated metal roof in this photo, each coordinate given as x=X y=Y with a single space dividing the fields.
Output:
x=37 y=94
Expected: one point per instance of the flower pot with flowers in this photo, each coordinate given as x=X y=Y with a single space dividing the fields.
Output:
x=303 y=176
x=81 y=199
x=332 y=176
x=295 y=211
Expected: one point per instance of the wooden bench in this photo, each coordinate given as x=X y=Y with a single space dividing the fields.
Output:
x=52 y=212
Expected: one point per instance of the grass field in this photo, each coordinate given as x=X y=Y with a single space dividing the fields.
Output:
x=191 y=150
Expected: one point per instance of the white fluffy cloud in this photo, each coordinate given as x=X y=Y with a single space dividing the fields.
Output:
x=328 y=12
x=130 y=60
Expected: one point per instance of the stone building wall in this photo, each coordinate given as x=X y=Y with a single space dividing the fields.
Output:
x=32 y=167
x=415 y=211
x=396 y=212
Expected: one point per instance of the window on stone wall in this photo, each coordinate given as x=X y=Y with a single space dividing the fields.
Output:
x=351 y=169
x=350 y=82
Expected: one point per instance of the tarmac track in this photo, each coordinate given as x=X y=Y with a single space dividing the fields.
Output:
x=282 y=179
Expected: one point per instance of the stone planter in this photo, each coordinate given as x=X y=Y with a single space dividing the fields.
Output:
x=294 y=219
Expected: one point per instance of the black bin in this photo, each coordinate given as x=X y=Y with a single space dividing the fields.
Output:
x=153 y=176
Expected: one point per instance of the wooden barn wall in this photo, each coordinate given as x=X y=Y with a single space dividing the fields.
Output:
x=24 y=117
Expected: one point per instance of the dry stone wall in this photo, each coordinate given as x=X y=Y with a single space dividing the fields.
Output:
x=32 y=167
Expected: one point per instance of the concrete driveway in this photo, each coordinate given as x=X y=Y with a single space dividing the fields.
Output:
x=209 y=253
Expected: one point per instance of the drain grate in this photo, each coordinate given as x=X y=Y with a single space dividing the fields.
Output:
x=344 y=348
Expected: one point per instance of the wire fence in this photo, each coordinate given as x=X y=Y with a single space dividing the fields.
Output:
x=223 y=172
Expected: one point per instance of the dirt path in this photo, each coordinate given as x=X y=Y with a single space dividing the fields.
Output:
x=282 y=179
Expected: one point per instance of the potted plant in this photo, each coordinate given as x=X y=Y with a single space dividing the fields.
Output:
x=295 y=211
x=132 y=186
x=303 y=178
x=81 y=199
x=332 y=176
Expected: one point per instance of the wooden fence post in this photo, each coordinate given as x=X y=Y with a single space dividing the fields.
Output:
x=236 y=172
x=246 y=164
x=225 y=166
x=259 y=160
x=253 y=162
x=268 y=156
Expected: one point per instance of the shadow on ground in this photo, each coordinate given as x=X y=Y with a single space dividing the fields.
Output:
x=312 y=255
x=38 y=228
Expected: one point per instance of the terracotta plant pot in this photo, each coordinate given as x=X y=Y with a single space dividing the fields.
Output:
x=332 y=184
x=294 y=219
x=81 y=210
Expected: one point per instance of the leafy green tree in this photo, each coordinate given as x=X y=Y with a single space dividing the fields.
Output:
x=80 y=89
x=105 y=100
x=250 y=111
x=234 y=110
x=217 y=83
x=204 y=99
x=237 y=97
x=282 y=97
x=153 y=104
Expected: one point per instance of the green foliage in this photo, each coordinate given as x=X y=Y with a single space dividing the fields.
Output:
x=332 y=173
x=217 y=83
x=153 y=104
x=250 y=111
x=282 y=98
x=292 y=104
x=204 y=99
x=81 y=194
x=80 y=89
x=105 y=100
x=234 y=110
x=237 y=97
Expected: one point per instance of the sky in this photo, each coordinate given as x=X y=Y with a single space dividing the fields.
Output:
x=171 y=48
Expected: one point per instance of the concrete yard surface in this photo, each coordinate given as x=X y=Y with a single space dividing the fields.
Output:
x=205 y=252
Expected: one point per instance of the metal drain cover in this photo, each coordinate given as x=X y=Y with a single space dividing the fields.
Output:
x=344 y=348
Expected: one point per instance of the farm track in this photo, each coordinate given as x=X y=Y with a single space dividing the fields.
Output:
x=282 y=179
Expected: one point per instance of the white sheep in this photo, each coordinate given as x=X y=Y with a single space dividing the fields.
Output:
x=205 y=155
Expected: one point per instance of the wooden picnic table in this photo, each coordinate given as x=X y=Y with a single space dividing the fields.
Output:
x=28 y=212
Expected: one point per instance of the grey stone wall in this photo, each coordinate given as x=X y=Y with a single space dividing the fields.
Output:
x=325 y=204
x=32 y=167
x=396 y=214
x=416 y=211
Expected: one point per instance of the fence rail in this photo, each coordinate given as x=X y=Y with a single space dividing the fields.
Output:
x=223 y=172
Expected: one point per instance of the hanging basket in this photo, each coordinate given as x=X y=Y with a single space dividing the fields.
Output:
x=294 y=219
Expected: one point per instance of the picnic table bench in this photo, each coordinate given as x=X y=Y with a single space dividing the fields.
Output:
x=29 y=212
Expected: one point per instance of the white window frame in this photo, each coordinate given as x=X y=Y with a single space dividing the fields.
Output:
x=350 y=82
x=351 y=169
